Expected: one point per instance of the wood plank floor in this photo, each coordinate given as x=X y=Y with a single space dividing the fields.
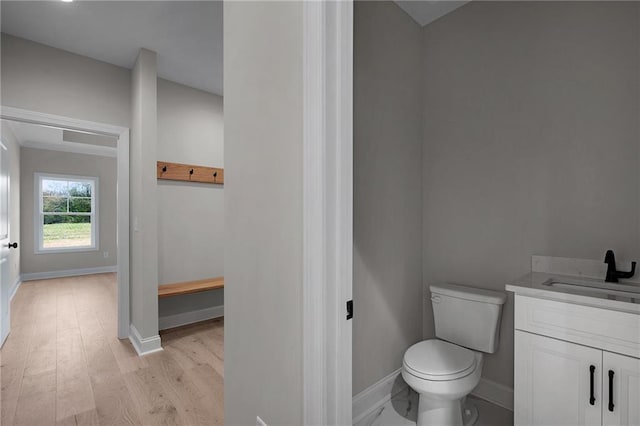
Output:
x=63 y=365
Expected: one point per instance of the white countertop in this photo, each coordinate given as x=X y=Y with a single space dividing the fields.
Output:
x=533 y=285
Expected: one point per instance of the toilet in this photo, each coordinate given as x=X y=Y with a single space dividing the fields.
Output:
x=444 y=370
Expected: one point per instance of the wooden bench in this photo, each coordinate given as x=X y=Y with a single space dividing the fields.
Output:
x=188 y=287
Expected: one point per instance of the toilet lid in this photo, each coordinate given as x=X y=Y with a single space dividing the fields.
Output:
x=439 y=360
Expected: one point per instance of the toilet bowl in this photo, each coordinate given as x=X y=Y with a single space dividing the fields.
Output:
x=443 y=374
x=444 y=370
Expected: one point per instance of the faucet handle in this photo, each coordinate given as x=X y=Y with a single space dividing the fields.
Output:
x=629 y=274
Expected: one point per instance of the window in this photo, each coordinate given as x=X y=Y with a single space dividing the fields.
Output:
x=66 y=213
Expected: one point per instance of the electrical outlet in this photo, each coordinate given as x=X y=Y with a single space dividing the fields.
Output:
x=260 y=422
x=105 y=254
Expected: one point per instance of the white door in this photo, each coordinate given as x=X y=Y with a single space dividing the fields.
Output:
x=556 y=382
x=4 y=244
x=621 y=390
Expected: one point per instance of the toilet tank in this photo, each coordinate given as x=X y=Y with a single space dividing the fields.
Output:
x=467 y=316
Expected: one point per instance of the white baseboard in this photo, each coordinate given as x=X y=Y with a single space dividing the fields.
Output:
x=4 y=333
x=14 y=288
x=495 y=393
x=177 y=320
x=146 y=345
x=376 y=395
x=68 y=273
x=4 y=330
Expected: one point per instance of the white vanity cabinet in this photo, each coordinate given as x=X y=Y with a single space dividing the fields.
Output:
x=575 y=364
x=625 y=387
x=552 y=382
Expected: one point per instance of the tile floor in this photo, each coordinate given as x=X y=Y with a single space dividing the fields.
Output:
x=401 y=411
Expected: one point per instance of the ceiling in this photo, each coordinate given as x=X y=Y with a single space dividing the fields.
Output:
x=56 y=139
x=187 y=35
x=427 y=11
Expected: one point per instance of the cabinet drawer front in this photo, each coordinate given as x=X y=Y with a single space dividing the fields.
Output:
x=609 y=330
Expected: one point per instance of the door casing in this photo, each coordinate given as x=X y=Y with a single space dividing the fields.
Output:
x=122 y=135
x=327 y=211
x=5 y=235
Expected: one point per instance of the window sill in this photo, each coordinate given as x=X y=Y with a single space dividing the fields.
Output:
x=66 y=250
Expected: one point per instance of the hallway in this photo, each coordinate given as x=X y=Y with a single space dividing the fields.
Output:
x=62 y=363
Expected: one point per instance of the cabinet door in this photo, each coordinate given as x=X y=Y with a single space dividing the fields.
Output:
x=556 y=382
x=621 y=377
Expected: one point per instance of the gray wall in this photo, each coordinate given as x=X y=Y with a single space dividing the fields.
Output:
x=10 y=141
x=190 y=215
x=44 y=79
x=143 y=196
x=531 y=143
x=40 y=78
x=44 y=161
x=263 y=212
x=387 y=270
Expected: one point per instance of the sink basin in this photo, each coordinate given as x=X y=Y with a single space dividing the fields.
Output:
x=626 y=292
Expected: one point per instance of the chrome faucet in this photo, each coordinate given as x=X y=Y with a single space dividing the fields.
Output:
x=612 y=273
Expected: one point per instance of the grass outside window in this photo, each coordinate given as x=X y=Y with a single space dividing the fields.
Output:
x=57 y=235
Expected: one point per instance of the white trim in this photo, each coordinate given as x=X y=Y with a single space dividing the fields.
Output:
x=340 y=110
x=376 y=395
x=144 y=346
x=14 y=289
x=327 y=210
x=122 y=241
x=34 y=117
x=495 y=393
x=68 y=273
x=39 y=215
x=7 y=317
x=122 y=133
x=74 y=147
x=172 y=321
x=314 y=244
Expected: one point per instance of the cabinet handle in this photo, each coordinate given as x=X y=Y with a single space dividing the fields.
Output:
x=611 y=405
x=592 y=398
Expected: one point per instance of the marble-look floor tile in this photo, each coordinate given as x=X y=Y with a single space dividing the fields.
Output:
x=401 y=410
x=491 y=414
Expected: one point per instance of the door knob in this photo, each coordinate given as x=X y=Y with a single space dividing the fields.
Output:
x=13 y=245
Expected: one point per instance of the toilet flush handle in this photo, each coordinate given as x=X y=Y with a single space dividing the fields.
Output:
x=435 y=299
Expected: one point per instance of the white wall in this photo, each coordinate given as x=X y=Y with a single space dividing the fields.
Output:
x=263 y=212
x=45 y=161
x=10 y=141
x=531 y=143
x=40 y=78
x=387 y=270
x=190 y=215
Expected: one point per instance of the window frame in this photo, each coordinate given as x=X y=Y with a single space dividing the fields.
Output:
x=39 y=214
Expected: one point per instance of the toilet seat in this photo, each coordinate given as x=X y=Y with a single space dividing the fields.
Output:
x=438 y=360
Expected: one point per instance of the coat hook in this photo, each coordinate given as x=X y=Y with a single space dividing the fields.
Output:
x=215 y=174
x=164 y=168
x=191 y=171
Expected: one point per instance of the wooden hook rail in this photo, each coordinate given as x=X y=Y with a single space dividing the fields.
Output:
x=189 y=173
